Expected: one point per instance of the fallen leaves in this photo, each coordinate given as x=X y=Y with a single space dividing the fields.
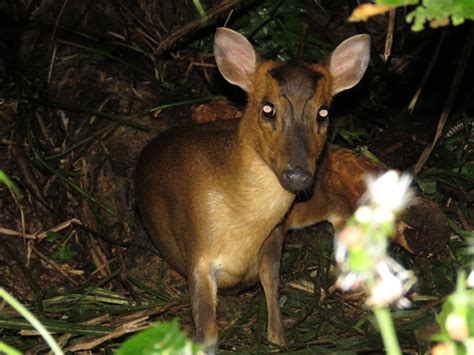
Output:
x=215 y=111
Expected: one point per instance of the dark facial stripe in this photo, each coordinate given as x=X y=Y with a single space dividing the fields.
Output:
x=296 y=79
x=292 y=111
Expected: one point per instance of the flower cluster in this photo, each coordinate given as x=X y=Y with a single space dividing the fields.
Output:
x=456 y=320
x=361 y=245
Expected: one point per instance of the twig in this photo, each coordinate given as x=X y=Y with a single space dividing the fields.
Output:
x=130 y=323
x=41 y=235
x=462 y=219
x=21 y=161
x=56 y=24
x=34 y=286
x=434 y=58
x=142 y=24
x=99 y=258
x=389 y=39
x=54 y=265
x=191 y=26
x=51 y=63
x=132 y=326
x=458 y=76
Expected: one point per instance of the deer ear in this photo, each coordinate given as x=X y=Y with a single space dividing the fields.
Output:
x=235 y=58
x=348 y=62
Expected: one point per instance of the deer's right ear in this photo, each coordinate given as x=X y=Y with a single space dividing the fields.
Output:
x=349 y=61
x=235 y=58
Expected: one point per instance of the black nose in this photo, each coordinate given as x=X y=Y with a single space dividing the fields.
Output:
x=296 y=179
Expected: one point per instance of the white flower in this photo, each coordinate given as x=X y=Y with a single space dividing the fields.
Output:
x=392 y=282
x=351 y=281
x=383 y=215
x=390 y=191
x=363 y=214
x=470 y=280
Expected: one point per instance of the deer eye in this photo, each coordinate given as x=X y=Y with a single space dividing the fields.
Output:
x=268 y=110
x=323 y=114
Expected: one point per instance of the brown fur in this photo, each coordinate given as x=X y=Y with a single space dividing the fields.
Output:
x=228 y=192
x=338 y=188
x=209 y=198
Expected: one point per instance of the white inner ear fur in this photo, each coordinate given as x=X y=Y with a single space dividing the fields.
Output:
x=235 y=58
x=348 y=62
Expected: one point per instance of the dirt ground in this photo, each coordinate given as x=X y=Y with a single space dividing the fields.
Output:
x=76 y=110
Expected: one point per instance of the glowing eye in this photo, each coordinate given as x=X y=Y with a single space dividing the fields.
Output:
x=268 y=110
x=323 y=114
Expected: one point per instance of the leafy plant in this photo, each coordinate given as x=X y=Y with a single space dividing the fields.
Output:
x=9 y=183
x=13 y=302
x=64 y=253
x=456 y=320
x=162 y=338
x=435 y=12
x=275 y=25
x=360 y=251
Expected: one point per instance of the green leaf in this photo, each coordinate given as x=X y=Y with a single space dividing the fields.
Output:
x=10 y=184
x=468 y=170
x=64 y=253
x=199 y=7
x=435 y=10
x=7 y=349
x=162 y=338
x=52 y=236
x=427 y=186
x=351 y=137
x=359 y=260
x=459 y=231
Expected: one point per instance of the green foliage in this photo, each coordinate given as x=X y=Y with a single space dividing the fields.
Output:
x=25 y=313
x=6 y=349
x=459 y=231
x=52 y=236
x=10 y=184
x=199 y=8
x=439 y=11
x=276 y=29
x=352 y=138
x=63 y=253
x=162 y=338
x=426 y=185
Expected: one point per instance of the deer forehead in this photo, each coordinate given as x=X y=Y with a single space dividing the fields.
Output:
x=296 y=82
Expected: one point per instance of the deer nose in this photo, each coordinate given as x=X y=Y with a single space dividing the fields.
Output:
x=296 y=179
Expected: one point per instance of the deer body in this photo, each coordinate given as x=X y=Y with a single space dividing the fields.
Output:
x=338 y=189
x=215 y=217
x=340 y=185
x=209 y=199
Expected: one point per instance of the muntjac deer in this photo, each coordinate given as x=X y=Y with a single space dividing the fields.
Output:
x=209 y=199
x=339 y=185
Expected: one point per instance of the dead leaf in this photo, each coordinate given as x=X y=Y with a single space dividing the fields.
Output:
x=440 y=22
x=364 y=11
x=215 y=111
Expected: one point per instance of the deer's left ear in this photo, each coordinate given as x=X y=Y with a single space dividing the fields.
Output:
x=235 y=58
x=348 y=62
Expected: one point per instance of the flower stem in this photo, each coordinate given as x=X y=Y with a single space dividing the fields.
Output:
x=387 y=329
x=12 y=301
